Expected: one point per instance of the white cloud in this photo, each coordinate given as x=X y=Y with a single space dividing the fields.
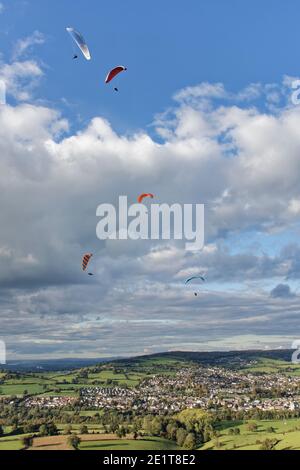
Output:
x=26 y=44
x=192 y=94
x=294 y=206
x=20 y=78
x=241 y=162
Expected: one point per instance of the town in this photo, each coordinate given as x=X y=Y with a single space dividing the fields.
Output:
x=180 y=400
x=210 y=388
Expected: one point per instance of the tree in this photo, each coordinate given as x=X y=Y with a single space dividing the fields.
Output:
x=171 y=431
x=68 y=429
x=27 y=441
x=147 y=424
x=234 y=431
x=48 y=429
x=156 y=426
x=207 y=433
x=190 y=442
x=217 y=443
x=181 y=435
x=252 y=427
x=43 y=430
x=30 y=427
x=1 y=431
x=121 y=432
x=271 y=429
x=74 y=441
x=83 y=429
x=52 y=429
x=268 y=444
x=137 y=426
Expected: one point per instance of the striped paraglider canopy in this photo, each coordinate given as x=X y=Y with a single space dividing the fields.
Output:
x=85 y=261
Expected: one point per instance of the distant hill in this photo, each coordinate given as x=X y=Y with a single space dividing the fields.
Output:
x=53 y=364
x=221 y=358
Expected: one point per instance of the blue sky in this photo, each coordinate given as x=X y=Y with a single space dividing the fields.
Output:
x=166 y=45
x=203 y=114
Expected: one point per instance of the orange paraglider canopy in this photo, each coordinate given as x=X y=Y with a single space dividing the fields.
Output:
x=142 y=197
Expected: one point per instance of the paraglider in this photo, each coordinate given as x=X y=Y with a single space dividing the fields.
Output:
x=80 y=41
x=85 y=261
x=142 y=197
x=192 y=278
x=113 y=73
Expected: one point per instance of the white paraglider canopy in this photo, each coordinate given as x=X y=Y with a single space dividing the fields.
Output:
x=80 y=41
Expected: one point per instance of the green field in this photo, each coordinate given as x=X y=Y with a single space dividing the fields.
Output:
x=12 y=442
x=287 y=432
x=62 y=383
x=147 y=443
x=150 y=443
x=19 y=389
x=273 y=366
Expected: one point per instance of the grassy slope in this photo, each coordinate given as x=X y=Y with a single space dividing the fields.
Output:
x=11 y=443
x=95 y=443
x=286 y=434
x=273 y=366
x=151 y=443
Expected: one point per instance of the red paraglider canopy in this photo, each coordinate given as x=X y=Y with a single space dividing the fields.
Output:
x=114 y=72
x=142 y=196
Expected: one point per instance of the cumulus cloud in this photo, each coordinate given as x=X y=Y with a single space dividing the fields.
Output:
x=242 y=163
x=21 y=75
x=20 y=78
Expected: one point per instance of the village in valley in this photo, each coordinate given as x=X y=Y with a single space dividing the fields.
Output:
x=186 y=400
x=195 y=387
